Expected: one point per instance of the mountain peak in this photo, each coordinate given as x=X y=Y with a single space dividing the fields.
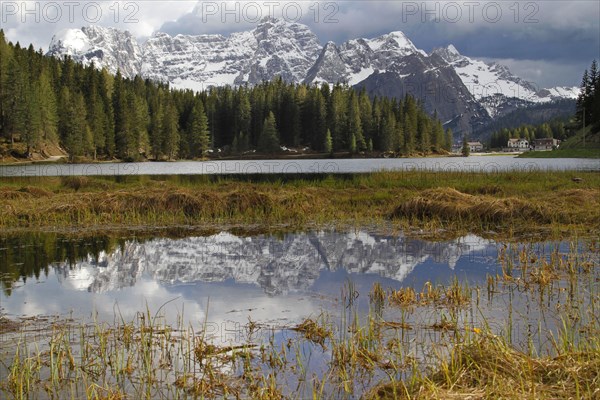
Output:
x=396 y=38
x=269 y=19
x=70 y=41
x=452 y=50
x=449 y=54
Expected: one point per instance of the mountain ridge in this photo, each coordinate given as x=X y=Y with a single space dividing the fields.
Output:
x=464 y=92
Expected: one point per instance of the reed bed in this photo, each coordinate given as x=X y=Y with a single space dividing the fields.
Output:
x=493 y=203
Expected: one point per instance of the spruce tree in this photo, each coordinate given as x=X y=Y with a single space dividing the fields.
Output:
x=198 y=131
x=5 y=58
x=32 y=130
x=354 y=129
x=170 y=132
x=16 y=99
x=269 y=139
x=48 y=109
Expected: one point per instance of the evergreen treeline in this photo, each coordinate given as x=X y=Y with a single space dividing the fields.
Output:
x=91 y=113
x=553 y=129
x=537 y=114
x=588 y=103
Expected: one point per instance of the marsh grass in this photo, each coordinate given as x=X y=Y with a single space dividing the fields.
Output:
x=434 y=341
x=509 y=203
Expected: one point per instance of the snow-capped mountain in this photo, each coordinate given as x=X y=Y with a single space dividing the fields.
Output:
x=105 y=47
x=274 y=48
x=495 y=87
x=463 y=91
x=357 y=59
x=276 y=265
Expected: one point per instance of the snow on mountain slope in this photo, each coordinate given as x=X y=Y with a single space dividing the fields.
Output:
x=494 y=85
x=283 y=49
x=273 y=49
x=355 y=60
x=388 y=65
x=194 y=61
x=105 y=47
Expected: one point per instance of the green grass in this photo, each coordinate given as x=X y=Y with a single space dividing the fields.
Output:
x=563 y=153
x=584 y=144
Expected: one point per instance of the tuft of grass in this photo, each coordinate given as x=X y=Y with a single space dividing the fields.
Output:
x=449 y=204
x=313 y=331
x=491 y=368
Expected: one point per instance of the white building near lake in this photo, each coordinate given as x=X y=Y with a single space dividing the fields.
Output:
x=519 y=144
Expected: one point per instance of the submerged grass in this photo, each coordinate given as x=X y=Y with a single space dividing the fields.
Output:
x=508 y=203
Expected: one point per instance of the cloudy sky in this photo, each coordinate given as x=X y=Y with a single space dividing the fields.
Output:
x=547 y=42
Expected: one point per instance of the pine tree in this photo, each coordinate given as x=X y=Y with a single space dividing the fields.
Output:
x=410 y=125
x=5 y=58
x=337 y=119
x=353 y=144
x=16 y=99
x=170 y=132
x=423 y=133
x=48 y=109
x=582 y=99
x=366 y=117
x=105 y=88
x=437 y=135
x=590 y=101
x=269 y=139
x=32 y=131
x=244 y=123
x=198 y=131
x=354 y=129
x=141 y=123
x=389 y=140
x=74 y=124
x=124 y=135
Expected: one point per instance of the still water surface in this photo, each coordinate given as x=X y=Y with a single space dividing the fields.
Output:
x=218 y=283
x=224 y=278
x=474 y=163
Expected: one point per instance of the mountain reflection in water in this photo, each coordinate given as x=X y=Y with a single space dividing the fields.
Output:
x=277 y=265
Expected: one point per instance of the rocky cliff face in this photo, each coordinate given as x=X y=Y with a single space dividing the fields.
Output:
x=105 y=47
x=466 y=93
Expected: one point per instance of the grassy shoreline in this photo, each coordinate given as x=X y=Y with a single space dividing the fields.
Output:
x=563 y=153
x=482 y=203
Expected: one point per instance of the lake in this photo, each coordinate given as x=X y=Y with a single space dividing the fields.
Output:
x=274 y=279
x=359 y=165
x=231 y=290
